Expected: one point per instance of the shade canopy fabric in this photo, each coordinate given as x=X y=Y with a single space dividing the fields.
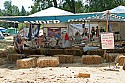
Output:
x=52 y=11
x=50 y=19
x=119 y=9
x=53 y=15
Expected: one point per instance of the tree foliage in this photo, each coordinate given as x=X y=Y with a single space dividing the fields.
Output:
x=101 y=5
x=41 y=4
x=23 y=11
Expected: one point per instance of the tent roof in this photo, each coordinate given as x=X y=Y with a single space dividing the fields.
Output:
x=52 y=11
x=119 y=9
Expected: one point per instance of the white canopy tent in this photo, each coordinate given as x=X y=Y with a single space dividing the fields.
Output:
x=119 y=9
x=52 y=11
x=118 y=14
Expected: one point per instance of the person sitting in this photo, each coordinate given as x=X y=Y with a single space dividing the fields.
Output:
x=53 y=42
x=57 y=36
x=19 y=43
x=40 y=41
x=77 y=38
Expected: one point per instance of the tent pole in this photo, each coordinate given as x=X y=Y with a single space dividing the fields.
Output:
x=107 y=15
x=23 y=28
x=89 y=31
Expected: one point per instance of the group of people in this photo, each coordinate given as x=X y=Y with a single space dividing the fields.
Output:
x=57 y=40
x=94 y=32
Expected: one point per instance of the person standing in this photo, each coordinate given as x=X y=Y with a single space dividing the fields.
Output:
x=63 y=40
x=93 y=31
x=66 y=40
x=97 y=31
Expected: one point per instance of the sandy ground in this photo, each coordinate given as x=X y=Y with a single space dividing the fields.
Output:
x=65 y=73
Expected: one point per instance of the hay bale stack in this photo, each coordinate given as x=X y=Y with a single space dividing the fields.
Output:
x=48 y=61
x=91 y=59
x=28 y=51
x=110 y=56
x=1 y=61
x=77 y=52
x=96 y=52
x=120 y=59
x=3 y=53
x=65 y=58
x=37 y=56
x=26 y=63
x=37 y=51
x=14 y=57
x=55 y=51
x=115 y=50
x=68 y=52
x=42 y=51
x=11 y=50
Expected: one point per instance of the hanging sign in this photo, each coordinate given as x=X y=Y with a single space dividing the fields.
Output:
x=107 y=40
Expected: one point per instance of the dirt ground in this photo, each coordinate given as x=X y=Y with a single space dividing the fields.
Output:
x=64 y=73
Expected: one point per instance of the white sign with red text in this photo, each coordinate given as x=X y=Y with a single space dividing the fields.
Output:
x=107 y=40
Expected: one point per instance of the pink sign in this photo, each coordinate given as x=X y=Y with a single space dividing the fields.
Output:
x=107 y=40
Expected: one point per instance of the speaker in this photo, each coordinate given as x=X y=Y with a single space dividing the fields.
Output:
x=117 y=32
x=83 y=25
x=16 y=25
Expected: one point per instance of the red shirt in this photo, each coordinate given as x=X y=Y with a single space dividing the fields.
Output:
x=66 y=37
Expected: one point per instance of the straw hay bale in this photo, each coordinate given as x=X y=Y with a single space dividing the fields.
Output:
x=28 y=51
x=26 y=63
x=55 y=51
x=42 y=51
x=11 y=50
x=68 y=52
x=96 y=52
x=1 y=61
x=65 y=58
x=110 y=56
x=115 y=50
x=84 y=75
x=37 y=51
x=76 y=52
x=3 y=53
x=120 y=59
x=14 y=57
x=91 y=59
x=48 y=61
x=37 y=56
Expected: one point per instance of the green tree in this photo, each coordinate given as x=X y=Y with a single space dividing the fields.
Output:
x=1 y=13
x=97 y=5
x=42 y=4
x=15 y=10
x=8 y=8
x=23 y=11
x=73 y=6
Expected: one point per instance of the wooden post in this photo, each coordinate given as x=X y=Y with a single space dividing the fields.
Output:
x=107 y=16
